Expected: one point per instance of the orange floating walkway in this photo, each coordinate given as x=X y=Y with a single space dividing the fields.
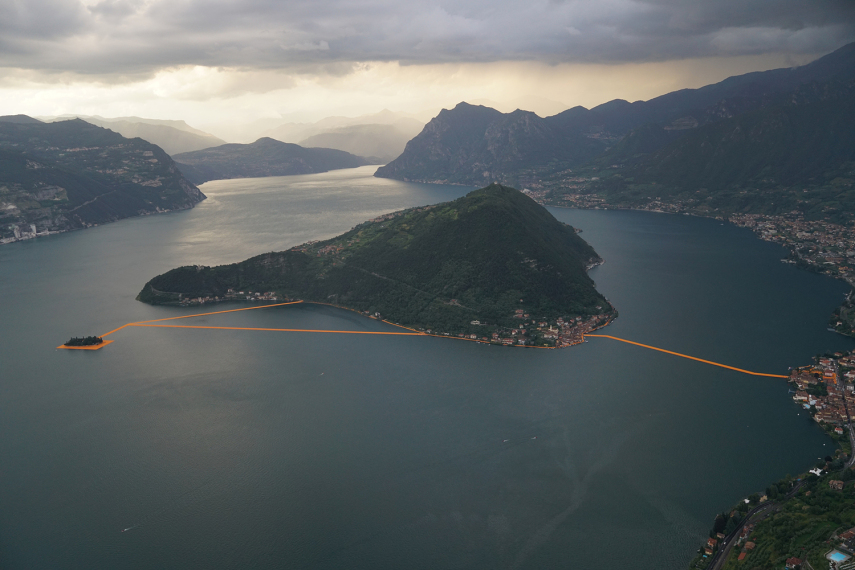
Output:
x=687 y=356
x=90 y=347
x=274 y=330
x=201 y=315
x=152 y=323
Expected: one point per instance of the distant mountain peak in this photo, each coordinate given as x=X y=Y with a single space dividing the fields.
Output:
x=21 y=119
x=269 y=142
x=474 y=144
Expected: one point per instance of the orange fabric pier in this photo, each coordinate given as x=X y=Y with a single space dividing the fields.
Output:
x=202 y=315
x=90 y=347
x=412 y=332
x=687 y=356
x=274 y=330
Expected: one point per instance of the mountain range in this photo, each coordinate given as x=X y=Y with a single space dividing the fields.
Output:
x=381 y=136
x=172 y=136
x=71 y=174
x=614 y=149
x=797 y=156
x=377 y=143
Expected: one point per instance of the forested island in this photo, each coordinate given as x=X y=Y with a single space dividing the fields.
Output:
x=85 y=341
x=492 y=266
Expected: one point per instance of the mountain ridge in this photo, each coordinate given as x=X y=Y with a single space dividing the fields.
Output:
x=172 y=136
x=519 y=149
x=67 y=175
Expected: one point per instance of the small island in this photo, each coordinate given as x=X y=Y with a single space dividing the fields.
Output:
x=84 y=341
x=493 y=266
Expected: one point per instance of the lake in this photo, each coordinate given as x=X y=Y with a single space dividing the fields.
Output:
x=238 y=449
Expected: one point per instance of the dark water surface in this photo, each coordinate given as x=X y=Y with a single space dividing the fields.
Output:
x=234 y=449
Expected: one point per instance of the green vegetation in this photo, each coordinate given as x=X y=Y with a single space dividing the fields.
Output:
x=762 y=143
x=492 y=256
x=70 y=174
x=85 y=341
x=804 y=526
x=791 y=157
x=843 y=318
x=804 y=521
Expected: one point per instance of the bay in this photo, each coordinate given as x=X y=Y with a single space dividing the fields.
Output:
x=236 y=449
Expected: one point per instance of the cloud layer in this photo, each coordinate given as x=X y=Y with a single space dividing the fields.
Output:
x=123 y=38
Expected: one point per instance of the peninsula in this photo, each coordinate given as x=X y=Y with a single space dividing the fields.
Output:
x=264 y=157
x=492 y=266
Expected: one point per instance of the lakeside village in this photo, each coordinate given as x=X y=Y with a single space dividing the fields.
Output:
x=819 y=246
x=231 y=295
x=530 y=332
x=799 y=523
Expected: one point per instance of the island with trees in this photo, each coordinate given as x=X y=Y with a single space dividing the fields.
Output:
x=492 y=266
x=85 y=341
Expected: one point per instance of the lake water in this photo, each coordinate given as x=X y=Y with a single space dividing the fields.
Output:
x=234 y=449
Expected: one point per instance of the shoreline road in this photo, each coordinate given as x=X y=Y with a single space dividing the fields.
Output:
x=851 y=461
x=756 y=514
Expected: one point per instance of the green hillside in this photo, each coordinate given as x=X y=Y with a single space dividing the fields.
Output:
x=479 y=258
x=60 y=176
x=765 y=142
x=798 y=156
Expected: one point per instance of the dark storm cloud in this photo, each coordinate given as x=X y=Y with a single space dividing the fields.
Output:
x=140 y=36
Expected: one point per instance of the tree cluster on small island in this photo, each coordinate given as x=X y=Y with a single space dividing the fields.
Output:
x=84 y=341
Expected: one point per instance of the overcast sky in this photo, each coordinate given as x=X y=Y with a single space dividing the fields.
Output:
x=216 y=62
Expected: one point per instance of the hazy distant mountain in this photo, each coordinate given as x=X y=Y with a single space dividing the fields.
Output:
x=20 y=119
x=264 y=157
x=175 y=124
x=476 y=145
x=297 y=132
x=288 y=130
x=170 y=139
x=380 y=142
x=172 y=136
x=72 y=174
